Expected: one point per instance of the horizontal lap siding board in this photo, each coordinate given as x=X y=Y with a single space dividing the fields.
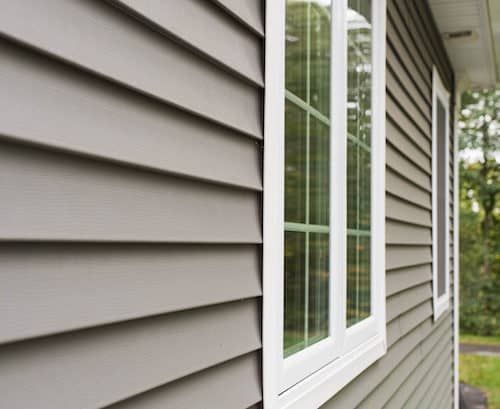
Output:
x=416 y=62
x=52 y=196
x=406 y=189
x=96 y=367
x=415 y=92
x=403 y=165
x=400 y=279
x=424 y=371
x=223 y=380
x=242 y=54
x=395 y=112
x=419 y=361
x=165 y=70
x=130 y=155
x=115 y=123
x=398 y=139
x=394 y=381
x=121 y=281
x=401 y=210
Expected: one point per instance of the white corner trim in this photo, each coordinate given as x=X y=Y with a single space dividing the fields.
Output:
x=441 y=304
x=456 y=246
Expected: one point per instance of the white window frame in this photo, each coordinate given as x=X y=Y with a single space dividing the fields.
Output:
x=439 y=92
x=312 y=376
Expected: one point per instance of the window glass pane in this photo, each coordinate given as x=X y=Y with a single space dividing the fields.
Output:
x=364 y=277
x=295 y=292
x=307 y=173
x=359 y=121
x=441 y=197
x=352 y=184
x=358 y=278
x=318 y=287
x=296 y=47
x=364 y=191
x=295 y=163
x=319 y=60
x=319 y=176
x=352 y=268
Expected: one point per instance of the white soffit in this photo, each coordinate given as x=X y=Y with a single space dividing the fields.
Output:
x=471 y=33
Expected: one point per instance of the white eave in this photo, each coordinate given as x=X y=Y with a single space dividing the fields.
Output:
x=471 y=34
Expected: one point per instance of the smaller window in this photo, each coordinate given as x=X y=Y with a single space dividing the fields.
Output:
x=440 y=195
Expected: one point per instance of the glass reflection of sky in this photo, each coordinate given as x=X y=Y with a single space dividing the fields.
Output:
x=356 y=20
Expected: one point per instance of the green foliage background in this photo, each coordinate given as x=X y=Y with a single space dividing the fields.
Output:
x=479 y=123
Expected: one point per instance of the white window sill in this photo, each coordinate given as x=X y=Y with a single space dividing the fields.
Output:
x=322 y=385
x=441 y=305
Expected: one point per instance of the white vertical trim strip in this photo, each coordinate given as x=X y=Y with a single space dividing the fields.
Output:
x=273 y=200
x=378 y=181
x=456 y=255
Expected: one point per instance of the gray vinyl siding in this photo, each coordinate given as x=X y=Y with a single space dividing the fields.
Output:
x=130 y=156
x=417 y=371
x=130 y=240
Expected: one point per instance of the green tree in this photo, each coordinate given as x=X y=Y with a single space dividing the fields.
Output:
x=480 y=211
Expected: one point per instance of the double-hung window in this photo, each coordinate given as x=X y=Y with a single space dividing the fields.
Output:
x=324 y=190
x=440 y=195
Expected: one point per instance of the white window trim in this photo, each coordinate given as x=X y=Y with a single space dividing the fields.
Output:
x=441 y=303
x=365 y=342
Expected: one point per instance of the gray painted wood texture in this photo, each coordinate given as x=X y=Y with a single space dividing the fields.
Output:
x=130 y=144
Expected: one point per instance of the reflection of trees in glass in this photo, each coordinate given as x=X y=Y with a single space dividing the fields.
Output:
x=307 y=146
x=294 y=323
x=358 y=278
x=318 y=286
x=319 y=172
x=358 y=160
x=319 y=59
x=307 y=74
x=295 y=163
x=296 y=48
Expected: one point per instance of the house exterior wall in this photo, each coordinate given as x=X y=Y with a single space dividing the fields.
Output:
x=130 y=215
x=131 y=208
x=417 y=371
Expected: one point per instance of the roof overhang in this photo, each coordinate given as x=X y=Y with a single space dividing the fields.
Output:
x=471 y=34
